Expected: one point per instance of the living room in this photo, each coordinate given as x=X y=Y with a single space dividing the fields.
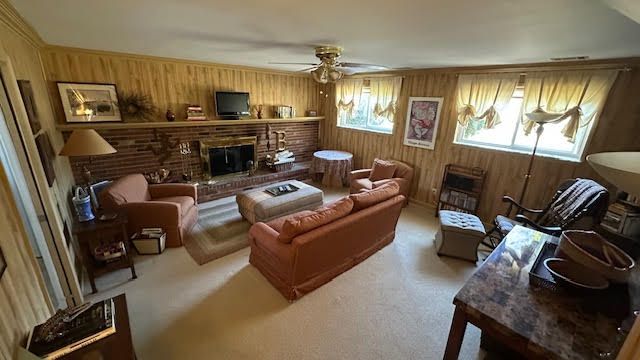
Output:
x=226 y=181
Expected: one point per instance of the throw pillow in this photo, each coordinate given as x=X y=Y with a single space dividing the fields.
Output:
x=382 y=170
x=367 y=198
x=277 y=224
x=300 y=225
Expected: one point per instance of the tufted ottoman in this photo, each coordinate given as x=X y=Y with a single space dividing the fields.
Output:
x=459 y=235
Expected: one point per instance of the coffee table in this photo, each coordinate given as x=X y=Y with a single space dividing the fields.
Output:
x=257 y=205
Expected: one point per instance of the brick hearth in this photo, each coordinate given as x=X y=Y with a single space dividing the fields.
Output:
x=133 y=155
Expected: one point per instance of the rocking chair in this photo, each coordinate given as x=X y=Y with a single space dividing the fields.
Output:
x=577 y=204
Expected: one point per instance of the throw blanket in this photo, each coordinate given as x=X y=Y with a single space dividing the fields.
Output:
x=571 y=201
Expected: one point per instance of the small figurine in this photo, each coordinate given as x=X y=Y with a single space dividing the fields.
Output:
x=170 y=115
x=259 y=107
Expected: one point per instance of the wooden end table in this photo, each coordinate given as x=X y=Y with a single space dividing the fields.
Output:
x=116 y=346
x=89 y=233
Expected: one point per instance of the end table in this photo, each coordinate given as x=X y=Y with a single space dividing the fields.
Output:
x=91 y=232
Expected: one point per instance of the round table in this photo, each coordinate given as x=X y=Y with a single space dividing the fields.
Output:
x=334 y=165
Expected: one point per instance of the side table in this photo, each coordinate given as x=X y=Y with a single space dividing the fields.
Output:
x=334 y=165
x=90 y=233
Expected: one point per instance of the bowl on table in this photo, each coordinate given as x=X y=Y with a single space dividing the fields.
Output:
x=591 y=250
x=575 y=276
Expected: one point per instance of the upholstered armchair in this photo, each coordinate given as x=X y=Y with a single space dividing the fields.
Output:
x=173 y=207
x=383 y=172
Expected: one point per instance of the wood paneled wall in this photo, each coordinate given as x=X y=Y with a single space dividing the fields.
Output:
x=617 y=130
x=172 y=84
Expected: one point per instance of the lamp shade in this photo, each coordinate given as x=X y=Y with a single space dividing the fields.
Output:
x=622 y=169
x=86 y=142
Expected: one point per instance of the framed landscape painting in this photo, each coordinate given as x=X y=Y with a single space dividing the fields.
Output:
x=46 y=157
x=83 y=102
x=423 y=116
x=30 y=105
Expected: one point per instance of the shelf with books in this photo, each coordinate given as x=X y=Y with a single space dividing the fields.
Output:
x=461 y=189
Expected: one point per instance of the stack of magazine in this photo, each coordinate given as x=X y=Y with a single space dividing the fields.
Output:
x=63 y=334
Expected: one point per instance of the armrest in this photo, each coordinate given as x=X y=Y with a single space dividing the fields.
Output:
x=152 y=213
x=360 y=174
x=267 y=237
x=512 y=202
x=262 y=230
x=551 y=230
x=166 y=190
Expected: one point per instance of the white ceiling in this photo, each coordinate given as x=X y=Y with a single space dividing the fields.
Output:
x=398 y=33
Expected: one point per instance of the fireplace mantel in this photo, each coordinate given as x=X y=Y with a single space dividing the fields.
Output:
x=174 y=124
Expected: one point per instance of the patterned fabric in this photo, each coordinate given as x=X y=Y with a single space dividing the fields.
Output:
x=334 y=165
x=571 y=201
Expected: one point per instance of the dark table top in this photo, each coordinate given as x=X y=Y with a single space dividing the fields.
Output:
x=554 y=325
x=116 y=346
x=97 y=224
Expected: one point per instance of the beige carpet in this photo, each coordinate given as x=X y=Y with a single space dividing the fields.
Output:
x=394 y=305
x=220 y=231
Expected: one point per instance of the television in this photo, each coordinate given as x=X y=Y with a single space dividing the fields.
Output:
x=232 y=105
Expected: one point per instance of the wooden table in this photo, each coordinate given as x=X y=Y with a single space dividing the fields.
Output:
x=116 y=346
x=534 y=322
x=91 y=232
x=334 y=165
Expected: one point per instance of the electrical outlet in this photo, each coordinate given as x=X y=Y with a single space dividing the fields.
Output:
x=434 y=191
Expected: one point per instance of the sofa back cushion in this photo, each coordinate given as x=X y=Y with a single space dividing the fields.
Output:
x=382 y=170
x=298 y=225
x=129 y=188
x=366 y=198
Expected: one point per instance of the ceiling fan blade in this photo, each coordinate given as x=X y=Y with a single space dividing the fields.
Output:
x=309 y=69
x=370 y=67
x=292 y=63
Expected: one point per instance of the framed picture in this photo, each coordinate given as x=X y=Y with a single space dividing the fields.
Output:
x=3 y=264
x=29 y=105
x=84 y=102
x=46 y=156
x=423 y=117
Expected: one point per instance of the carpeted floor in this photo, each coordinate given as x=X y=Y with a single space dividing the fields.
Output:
x=394 y=305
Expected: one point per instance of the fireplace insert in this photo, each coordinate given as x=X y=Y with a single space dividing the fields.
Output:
x=233 y=156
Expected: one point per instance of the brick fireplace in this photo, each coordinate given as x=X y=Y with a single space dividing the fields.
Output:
x=143 y=150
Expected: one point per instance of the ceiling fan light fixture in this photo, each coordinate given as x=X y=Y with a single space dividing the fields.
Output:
x=320 y=75
x=335 y=75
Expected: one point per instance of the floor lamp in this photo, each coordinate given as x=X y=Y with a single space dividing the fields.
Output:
x=539 y=117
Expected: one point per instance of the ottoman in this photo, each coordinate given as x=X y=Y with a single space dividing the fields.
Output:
x=257 y=205
x=459 y=235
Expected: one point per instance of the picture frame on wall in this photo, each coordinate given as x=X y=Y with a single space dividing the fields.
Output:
x=26 y=92
x=46 y=157
x=3 y=264
x=423 y=118
x=89 y=102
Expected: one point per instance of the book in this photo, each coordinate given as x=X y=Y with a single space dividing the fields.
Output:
x=59 y=336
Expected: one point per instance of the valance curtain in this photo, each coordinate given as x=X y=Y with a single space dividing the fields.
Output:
x=575 y=96
x=384 y=93
x=483 y=96
x=348 y=93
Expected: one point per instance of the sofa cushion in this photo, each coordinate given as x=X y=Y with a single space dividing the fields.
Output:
x=367 y=198
x=325 y=215
x=278 y=223
x=382 y=170
x=185 y=202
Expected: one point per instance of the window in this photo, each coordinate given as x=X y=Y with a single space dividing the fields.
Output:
x=363 y=117
x=509 y=133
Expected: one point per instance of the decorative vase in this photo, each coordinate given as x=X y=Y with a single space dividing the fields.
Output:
x=170 y=115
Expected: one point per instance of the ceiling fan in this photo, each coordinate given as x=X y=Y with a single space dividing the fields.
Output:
x=330 y=69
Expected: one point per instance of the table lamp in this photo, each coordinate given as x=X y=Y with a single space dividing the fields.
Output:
x=622 y=169
x=86 y=142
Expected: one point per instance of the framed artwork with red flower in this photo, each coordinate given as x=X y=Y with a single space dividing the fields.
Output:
x=423 y=117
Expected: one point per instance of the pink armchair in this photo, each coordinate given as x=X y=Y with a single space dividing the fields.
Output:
x=403 y=176
x=172 y=207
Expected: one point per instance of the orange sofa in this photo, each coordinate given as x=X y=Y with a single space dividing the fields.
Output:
x=300 y=252
x=402 y=174
x=172 y=207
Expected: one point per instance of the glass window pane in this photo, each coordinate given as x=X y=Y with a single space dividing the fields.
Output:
x=551 y=140
x=501 y=134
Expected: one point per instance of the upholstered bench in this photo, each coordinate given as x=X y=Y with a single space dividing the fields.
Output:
x=459 y=235
x=256 y=205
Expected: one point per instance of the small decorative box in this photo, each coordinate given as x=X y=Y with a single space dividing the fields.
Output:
x=149 y=242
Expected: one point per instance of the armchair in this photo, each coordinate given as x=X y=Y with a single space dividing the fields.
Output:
x=172 y=207
x=402 y=175
x=577 y=204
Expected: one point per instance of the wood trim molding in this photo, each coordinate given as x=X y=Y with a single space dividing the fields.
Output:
x=68 y=49
x=177 y=124
x=12 y=19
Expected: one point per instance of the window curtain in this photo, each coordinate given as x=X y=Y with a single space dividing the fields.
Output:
x=348 y=93
x=483 y=96
x=384 y=93
x=576 y=96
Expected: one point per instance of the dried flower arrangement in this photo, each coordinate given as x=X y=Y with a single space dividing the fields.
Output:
x=137 y=107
